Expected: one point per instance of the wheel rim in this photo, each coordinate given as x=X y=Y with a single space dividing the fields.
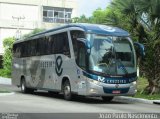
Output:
x=22 y=86
x=67 y=90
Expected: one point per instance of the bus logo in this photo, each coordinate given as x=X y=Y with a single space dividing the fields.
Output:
x=101 y=79
x=58 y=65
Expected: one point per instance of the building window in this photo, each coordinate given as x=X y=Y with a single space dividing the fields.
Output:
x=45 y=13
x=56 y=15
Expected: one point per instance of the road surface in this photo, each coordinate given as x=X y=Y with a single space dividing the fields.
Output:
x=42 y=102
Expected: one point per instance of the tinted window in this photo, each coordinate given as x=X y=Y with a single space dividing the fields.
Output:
x=81 y=57
x=74 y=35
x=61 y=44
x=55 y=44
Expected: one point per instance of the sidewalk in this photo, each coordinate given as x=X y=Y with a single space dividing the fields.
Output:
x=6 y=81
x=126 y=99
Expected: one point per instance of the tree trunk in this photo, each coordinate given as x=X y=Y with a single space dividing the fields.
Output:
x=153 y=72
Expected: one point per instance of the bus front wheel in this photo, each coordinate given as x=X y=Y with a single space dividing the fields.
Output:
x=107 y=98
x=67 y=90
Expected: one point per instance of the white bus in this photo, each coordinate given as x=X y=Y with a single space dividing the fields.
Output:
x=81 y=59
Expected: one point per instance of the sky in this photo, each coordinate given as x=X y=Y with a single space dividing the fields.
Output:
x=86 y=7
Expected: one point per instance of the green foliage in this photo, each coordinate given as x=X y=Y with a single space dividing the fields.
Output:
x=141 y=85
x=146 y=96
x=35 y=31
x=8 y=42
x=99 y=16
x=7 y=57
x=4 y=90
x=144 y=19
x=5 y=73
x=82 y=19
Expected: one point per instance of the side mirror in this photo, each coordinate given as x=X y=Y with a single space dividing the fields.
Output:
x=140 y=50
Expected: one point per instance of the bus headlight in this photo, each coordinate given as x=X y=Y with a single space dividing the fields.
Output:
x=93 y=81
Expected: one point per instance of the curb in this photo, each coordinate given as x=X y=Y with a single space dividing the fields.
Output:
x=133 y=100
x=6 y=81
x=6 y=94
x=156 y=102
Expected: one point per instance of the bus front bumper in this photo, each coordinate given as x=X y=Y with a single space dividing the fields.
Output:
x=95 y=88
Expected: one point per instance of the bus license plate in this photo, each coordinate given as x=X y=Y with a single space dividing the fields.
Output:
x=116 y=91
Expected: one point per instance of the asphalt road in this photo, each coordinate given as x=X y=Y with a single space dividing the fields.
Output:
x=42 y=102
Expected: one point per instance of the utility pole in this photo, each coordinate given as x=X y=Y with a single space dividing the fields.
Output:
x=18 y=32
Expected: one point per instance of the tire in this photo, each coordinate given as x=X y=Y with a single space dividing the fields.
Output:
x=24 y=89
x=107 y=98
x=67 y=90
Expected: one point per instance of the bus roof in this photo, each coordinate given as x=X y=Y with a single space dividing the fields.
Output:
x=88 y=28
x=92 y=28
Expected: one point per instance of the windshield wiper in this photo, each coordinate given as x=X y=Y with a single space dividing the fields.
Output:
x=122 y=67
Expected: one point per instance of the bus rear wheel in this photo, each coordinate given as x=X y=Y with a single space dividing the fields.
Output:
x=67 y=90
x=24 y=89
x=107 y=98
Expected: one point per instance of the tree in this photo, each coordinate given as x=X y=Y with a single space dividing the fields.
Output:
x=144 y=19
x=150 y=11
x=82 y=19
x=7 y=57
x=99 y=16
x=37 y=30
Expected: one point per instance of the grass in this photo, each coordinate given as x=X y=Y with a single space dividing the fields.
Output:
x=4 y=91
x=149 y=97
x=141 y=84
x=5 y=73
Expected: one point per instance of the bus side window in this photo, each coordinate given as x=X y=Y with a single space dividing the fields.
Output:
x=52 y=51
x=81 y=58
x=66 y=50
x=49 y=45
x=61 y=44
x=14 y=50
x=74 y=35
x=42 y=45
x=37 y=47
x=33 y=48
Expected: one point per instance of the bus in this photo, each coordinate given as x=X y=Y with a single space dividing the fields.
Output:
x=77 y=59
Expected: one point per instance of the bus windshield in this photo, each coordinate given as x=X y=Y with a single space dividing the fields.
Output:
x=111 y=55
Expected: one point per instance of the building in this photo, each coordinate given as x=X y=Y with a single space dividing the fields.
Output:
x=18 y=17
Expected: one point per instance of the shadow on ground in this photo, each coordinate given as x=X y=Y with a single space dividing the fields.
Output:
x=80 y=99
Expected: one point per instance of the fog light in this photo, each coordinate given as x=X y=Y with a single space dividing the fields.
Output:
x=92 y=90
